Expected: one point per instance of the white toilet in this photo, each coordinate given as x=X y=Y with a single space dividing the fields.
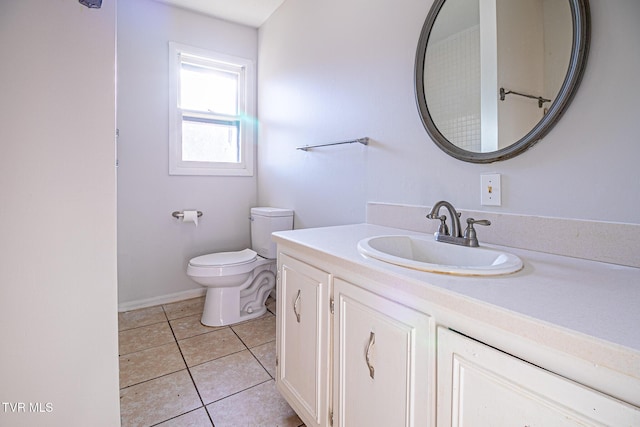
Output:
x=238 y=283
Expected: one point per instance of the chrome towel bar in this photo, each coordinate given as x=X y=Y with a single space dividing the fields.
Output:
x=178 y=214
x=363 y=141
x=541 y=100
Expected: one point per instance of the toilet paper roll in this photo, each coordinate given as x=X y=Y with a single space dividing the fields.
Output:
x=190 y=216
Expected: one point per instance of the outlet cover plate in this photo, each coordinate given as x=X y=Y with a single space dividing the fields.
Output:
x=490 y=190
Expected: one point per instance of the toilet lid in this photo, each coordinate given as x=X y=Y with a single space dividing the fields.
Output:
x=221 y=259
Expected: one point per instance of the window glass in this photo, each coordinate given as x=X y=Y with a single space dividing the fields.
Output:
x=204 y=141
x=205 y=89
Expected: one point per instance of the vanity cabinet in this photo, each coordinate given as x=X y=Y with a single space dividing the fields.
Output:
x=347 y=356
x=481 y=386
x=358 y=347
x=302 y=334
x=380 y=360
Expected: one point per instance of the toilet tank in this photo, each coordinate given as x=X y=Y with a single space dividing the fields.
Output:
x=265 y=221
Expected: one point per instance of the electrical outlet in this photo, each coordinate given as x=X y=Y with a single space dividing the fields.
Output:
x=490 y=190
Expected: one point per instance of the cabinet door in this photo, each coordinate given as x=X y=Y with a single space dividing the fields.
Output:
x=302 y=374
x=481 y=386
x=381 y=361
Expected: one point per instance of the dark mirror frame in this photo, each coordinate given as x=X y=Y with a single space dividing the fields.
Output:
x=579 y=52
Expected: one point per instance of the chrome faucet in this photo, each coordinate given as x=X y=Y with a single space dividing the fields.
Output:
x=455 y=219
x=456 y=237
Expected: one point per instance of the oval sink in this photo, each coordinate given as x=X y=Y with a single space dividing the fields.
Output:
x=424 y=253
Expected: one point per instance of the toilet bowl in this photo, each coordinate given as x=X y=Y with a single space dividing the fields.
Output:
x=238 y=283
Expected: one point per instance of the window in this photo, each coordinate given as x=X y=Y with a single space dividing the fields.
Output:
x=211 y=122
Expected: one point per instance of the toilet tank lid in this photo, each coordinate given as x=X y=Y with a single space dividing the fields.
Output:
x=271 y=211
x=221 y=259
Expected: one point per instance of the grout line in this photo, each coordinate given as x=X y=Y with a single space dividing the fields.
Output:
x=181 y=316
x=142 y=349
x=189 y=372
x=218 y=328
x=241 y=340
x=177 y=416
x=259 y=362
x=252 y=354
x=141 y=326
x=154 y=378
x=141 y=309
x=145 y=349
x=188 y=368
x=146 y=324
x=218 y=358
x=242 y=391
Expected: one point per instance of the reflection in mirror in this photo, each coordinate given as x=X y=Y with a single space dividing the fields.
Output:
x=493 y=76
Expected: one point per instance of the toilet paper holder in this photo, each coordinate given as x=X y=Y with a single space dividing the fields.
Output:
x=179 y=215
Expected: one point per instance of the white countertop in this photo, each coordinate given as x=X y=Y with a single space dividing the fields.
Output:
x=564 y=297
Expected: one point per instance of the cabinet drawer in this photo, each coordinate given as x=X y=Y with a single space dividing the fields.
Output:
x=481 y=386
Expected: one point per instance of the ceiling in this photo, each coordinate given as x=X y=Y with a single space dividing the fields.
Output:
x=247 y=12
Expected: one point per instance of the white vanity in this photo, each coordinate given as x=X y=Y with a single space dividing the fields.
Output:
x=361 y=342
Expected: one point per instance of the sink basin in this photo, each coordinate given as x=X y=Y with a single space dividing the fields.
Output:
x=424 y=253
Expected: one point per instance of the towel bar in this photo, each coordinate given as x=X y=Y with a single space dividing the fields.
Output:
x=363 y=141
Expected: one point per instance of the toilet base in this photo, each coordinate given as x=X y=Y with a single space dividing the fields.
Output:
x=225 y=306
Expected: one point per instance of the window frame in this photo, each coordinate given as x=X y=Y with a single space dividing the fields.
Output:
x=246 y=106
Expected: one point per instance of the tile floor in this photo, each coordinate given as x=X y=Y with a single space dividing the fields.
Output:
x=176 y=372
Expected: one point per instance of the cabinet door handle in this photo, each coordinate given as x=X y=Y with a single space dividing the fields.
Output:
x=295 y=306
x=372 y=341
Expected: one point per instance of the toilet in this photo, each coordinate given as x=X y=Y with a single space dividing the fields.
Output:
x=238 y=283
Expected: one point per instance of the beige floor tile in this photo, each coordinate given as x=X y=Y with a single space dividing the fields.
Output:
x=184 y=308
x=151 y=363
x=144 y=337
x=266 y=355
x=257 y=332
x=210 y=346
x=190 y=326
x=143 y=317
x=267 y=313
x=227 y=375
x=261 y=405
x=197 y=418
x=157 y=400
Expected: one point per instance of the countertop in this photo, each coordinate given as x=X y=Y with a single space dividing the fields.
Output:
x=568 y=303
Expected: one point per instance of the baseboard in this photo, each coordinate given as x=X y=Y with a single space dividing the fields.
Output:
x=163 y=299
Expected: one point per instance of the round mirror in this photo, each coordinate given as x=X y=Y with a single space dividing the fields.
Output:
x=493 y=77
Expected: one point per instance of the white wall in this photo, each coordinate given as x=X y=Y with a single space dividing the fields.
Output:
x=153 y=247
x=520 y=67
x=58 y=319
x=341 y=69
x=557 y=44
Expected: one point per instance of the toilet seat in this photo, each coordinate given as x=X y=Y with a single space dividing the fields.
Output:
x=224 y=259
x=225 y=264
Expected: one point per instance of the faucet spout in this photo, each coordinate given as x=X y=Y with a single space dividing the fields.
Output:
x=442 y=235
x=455 y=216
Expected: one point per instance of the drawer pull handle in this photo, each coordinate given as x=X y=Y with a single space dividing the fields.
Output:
x=372 y=341
x=295 y=306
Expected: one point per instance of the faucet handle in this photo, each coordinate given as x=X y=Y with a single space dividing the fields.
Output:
x=442 y=228
x=471 y=221
x=470 y=232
